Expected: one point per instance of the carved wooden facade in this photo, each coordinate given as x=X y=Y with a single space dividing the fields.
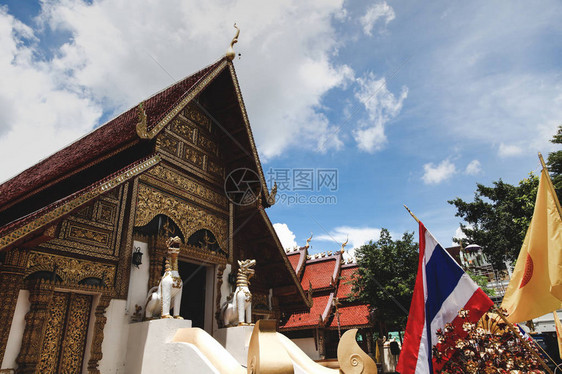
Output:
x=68 y=240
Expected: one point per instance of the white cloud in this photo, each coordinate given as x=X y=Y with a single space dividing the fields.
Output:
x=358 y=236
x=286 y=236
x=509 y=150
x=380 y=11
x=381 y=106
x=107 y=65
x=39 y=114
x=435 y=174
x=473 y=168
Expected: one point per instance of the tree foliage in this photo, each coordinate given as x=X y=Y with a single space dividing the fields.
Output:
x=499 y=216
x=386 y=276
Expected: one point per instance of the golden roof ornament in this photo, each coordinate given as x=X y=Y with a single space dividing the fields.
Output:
x=230 y=54
x=344 y=244
x=308 y=241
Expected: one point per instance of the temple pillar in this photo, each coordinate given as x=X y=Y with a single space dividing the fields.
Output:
x=369 y=337
x=11 y=281
x=321 y=343
x=40 y=296
x=96 y=353
x=158 y=251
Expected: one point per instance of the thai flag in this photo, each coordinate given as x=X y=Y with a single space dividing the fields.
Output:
x=442 y=289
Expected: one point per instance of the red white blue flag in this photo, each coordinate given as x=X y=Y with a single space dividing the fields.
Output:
x=442 y=289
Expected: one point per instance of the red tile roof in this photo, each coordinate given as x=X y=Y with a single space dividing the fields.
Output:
x=294 y=259
x=319 y=273
x=344 y=288
x=311 y=318
x=353 y=315
x=103 y=140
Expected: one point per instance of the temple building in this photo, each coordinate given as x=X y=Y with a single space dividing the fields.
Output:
x=83 y=232
x=327 y=279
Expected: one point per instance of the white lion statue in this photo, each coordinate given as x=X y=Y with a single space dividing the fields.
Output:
x=239 y=304
x=168 y=292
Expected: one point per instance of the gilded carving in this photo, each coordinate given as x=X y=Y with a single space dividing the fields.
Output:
x=70 y=270
x=40 y=298
x=187 y=185
x=220 y=272
x=183 y=129
x=75 y=333
x=76 y=201
x=193 y=156
x=53 y=336
x=215 y=168
x=95 y=351
x=194 y=114
x=106 y=213
x=188 y=218
x=168 y=144
x=81 y=233
x=207 y=144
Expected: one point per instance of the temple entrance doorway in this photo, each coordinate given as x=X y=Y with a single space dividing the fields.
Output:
x=64 y=340
x=194 y=277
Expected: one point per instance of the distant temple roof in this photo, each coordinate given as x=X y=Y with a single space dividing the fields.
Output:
x=329 y=275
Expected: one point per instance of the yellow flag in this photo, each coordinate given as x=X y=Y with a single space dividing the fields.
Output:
x=558 y=332
x=535 y=288
x=377 y=352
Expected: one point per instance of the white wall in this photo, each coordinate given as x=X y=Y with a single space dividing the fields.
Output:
x=307 y=346
x=138 y=280
x=115 y=334
x=16 y=331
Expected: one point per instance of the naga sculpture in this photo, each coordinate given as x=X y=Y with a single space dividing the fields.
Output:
x=239 y=304
x=168 y=292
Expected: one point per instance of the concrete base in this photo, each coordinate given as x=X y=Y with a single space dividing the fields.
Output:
x=236 y=341
x=150 y=349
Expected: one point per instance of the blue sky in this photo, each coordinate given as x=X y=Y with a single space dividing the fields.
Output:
x=411 y=103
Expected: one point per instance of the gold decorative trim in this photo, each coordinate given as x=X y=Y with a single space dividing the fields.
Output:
x=165 y=178
x=70 y=270
x=189 y=218
x=142 y=128
x=124 y=266
x=95 y=350
x=74 y=203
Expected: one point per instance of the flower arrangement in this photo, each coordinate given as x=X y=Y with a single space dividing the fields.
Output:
x=484 y=347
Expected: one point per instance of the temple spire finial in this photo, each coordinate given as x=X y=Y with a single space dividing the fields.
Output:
x=230 y=54
x=308 y=241
x=344 y=244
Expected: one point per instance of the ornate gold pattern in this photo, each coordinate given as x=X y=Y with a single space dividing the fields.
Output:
x=75 y=335
x=189 y=218
x=215 y=168
x=168 y=144
x=142 y=129
x=182 y=128
x=40 y=297
x=95 y=352
x=53 y=336
x=126 y=243
x=106 y=213
x=207 y=144
x=70 y=270
x=188 y=186
x=90 y=235
x=220 y=272
x=193 y=113
x=196 y=253
x=74 y=203
x=193 y=156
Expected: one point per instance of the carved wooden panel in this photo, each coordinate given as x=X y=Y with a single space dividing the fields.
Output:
x=189 y=217
x=64 y=339
x=70 y=270
x=93 y=230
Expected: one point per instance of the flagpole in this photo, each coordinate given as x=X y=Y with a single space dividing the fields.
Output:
x=412 y=214
x=518 y=335
x=550 y=185
x=499 y=312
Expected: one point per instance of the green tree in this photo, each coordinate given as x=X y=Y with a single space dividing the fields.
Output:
x=498 y=218
x=386 y=276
